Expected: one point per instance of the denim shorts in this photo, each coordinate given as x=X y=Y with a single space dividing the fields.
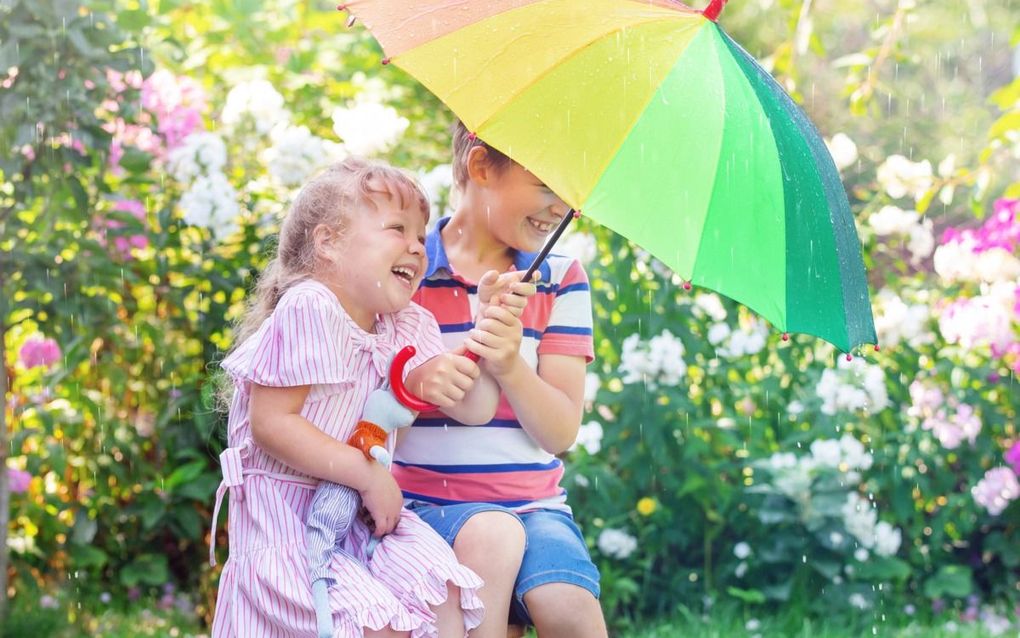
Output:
x=554 y=550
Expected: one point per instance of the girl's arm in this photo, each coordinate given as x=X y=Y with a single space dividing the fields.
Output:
x=279 y=429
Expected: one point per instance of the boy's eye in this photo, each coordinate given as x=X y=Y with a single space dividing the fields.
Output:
x=397 y=227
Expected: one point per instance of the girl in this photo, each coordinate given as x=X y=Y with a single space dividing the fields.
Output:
x=326 y=316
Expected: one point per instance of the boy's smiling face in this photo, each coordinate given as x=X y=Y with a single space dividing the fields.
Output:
x=522 y=211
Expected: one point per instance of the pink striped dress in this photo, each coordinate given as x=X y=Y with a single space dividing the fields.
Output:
x=264 y=588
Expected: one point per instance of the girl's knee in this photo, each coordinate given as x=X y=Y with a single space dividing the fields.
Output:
x=498 y=532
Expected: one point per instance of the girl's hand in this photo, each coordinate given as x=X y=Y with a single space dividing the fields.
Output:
x=382 y=500
x=444 y=379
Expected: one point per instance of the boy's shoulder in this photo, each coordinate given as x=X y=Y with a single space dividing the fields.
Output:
x=564 y=270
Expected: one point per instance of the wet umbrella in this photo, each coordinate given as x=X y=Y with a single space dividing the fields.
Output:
x=649 y=118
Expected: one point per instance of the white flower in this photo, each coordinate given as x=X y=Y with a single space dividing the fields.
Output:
x=741 y=550
x=921 y=241
x=887 y=539
x=893 y=220
x=199 y=154
x=996 y=264
x=211 y=203
x=843 y=150
x=589 y=436
x=740 y=570
x=859 y=601
x=437 y=184
x=581 y=480
x=752 y=625
x=257 y=101
x=995 y=624
x=795 y=482
x=826 y=452
x=710 y=304
x=294 y=155
x=748 y=339
x=901 y=177
x=581 y=246
x=369 y=128
x=855 y=385
x=854 y=454
x=658 y=361
x=895 y=321
x=718 y=333
x=985 y=320
x=591 y=386
x=860 y=518
x=795 y=408
x=956 y=261
x=616 y=543
x=782 y=460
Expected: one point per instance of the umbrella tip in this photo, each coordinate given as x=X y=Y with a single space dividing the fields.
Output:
x=713 y=9
x=341 y=7
x=878 y=348
x=385 y=61
x=687 y=285
x=577 y=214
x=786 y=336
x=849 y=357
x=472 y=136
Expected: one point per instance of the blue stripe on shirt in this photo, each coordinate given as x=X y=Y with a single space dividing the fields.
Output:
x=486 y=469
x=568 y=330
x=448 y=422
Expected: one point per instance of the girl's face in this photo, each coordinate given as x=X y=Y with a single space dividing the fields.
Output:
x=522 y=211
x=375 y=266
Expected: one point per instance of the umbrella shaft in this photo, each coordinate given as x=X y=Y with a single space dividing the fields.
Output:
x=549 y=244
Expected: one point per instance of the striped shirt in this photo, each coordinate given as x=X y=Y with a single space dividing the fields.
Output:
x=442 y=461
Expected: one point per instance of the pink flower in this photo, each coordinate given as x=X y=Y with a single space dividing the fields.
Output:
x=996 y=490
x=952 y=430
x=39 y=352
x=18 y=480
x=177 y=103
x=123 y=244
x=1012 y=456
x=1000 y=230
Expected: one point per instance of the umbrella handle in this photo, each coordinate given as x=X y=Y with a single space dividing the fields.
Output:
x=713 y=9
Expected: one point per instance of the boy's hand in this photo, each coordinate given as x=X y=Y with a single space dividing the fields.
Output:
x=444 y=379
x=504 y=289
x=497 y=339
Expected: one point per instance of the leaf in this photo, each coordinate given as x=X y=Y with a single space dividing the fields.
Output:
x=185 y=474
x=883 y=568
x=150 y=569
x=954 y=581
x=751 y=596
x=84 y=556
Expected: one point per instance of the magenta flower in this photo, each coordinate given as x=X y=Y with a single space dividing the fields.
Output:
x=1012 y=456
x=177 y=103
x=123 y=244
x=39 y=352
x=18 y=480
x=1000 y=230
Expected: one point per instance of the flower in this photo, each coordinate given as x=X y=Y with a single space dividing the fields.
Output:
x=211 y=203
x=200 y=154
x=48 y=602
x=893 y=220
x=887 y=539
x=1012 y=456
x=658 y=361
x=951 y=430
x=18 y=480
x=39 y=352
x=294 y=155
x=741 y=550
x=843 y=150
x=901 y=177
x=368 y=128
x=853 y=385
x=257 y=102
x=124 y=244
x=859 y=601
x=859 y=517
x=984 y=321
x=616 y=543
x=591 y=386
x=647 y=506
x=748 y=339
x=996 y=490
x=177 y=103
x=589 y=436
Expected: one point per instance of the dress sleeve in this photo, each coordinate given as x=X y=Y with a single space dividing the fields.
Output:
x=569 y=331
x=299 y=344
x=417 y=327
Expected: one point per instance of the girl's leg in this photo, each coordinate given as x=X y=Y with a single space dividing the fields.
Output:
x=492 y=545
x=449 y=617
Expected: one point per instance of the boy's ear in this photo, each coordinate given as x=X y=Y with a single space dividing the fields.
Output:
x=479 y=169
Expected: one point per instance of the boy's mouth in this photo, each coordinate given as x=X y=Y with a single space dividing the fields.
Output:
x=541 y=226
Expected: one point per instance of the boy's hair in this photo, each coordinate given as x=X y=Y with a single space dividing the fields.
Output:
x=463 y=142
x=327 y=199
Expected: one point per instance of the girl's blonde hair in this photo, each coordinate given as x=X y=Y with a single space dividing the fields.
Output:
x=326 y=199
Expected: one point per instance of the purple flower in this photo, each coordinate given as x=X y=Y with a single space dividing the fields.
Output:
x=123 y=244
x=48 y=602
x=996 y=490
x=134 y=593
x=1012 y=456
x=18 y=480
x=39 y=352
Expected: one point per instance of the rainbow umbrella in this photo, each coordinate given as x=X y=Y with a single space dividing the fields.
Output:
x=647 y=117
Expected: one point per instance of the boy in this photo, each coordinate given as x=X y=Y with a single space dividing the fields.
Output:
x=478 y=486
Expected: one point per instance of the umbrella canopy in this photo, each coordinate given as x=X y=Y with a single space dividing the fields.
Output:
x=647 y=117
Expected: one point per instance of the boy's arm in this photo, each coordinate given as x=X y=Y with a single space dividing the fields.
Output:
x=548 y=403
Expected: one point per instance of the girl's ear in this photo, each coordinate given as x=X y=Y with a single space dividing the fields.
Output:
x=323 y=238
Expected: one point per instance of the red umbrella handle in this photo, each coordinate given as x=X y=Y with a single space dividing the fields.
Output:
x=403 y=395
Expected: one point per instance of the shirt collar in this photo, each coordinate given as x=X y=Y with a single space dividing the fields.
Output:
x=436 y=253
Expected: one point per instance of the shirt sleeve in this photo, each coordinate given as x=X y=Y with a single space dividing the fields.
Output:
x=417 y=326
x=569 y=331
x=299 y=344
